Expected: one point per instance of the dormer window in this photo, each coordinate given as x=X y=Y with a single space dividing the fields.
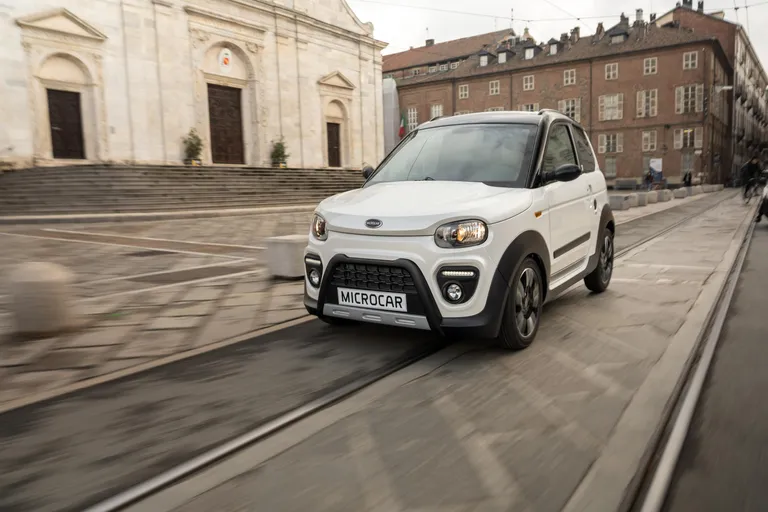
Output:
x=617 y=39
x=433 y=69
x=454 y=65
x=553 y=49
x=502 y=57
x=528 y=53
x=443 y=67
x=483 y=60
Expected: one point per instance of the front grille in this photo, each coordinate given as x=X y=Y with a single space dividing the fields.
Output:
x=383 y=278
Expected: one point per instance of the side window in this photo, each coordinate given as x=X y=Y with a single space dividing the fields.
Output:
x=586 y=155
x=559 y=149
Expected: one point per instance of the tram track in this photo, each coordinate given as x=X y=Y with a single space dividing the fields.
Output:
x=168 y=478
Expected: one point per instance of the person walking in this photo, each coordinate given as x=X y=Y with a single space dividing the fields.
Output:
x=750 y=172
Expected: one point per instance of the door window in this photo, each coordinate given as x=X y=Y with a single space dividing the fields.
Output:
x=586 y=156
x=559 y=149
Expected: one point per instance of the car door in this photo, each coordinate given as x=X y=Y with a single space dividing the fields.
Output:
x=598 y=192
x=569 y=226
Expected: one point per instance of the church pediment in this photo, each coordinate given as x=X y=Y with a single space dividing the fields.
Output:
x=61 y=21
x=336 y=79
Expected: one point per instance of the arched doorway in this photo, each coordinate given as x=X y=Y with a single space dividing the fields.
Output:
x=66 y=89
x=335 y=134
x=226 y=72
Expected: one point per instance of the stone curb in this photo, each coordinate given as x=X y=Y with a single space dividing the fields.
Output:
x=615 y=476
x=87 y=218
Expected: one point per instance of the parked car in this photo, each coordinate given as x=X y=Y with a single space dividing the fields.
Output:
x=467 y=227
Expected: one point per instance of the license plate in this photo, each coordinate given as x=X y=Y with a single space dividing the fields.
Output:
x=367 y=299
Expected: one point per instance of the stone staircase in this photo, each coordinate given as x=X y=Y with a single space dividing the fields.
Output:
x=90 y=190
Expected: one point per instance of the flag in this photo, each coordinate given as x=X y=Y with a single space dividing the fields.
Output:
x=402 y=126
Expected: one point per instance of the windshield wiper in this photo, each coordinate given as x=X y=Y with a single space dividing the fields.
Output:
x=428 y=179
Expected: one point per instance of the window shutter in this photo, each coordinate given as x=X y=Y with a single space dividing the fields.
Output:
x=561 y=106
x=654 y=103
x=536 y=107
x=601 y=144
x=700 y=98
x=698 y=136
x=678 y=100
x=640 y=103
x=678 y=139
x=621 y=106
x=601 y=108
x=646 y=141
x=620 y=143
x=577 y=110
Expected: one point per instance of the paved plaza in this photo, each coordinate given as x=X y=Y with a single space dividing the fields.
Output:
x=154 y=289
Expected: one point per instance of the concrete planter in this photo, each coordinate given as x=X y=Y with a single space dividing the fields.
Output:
x=665 y=195
x=285 y=256
x=619 y=203
x=681 y=193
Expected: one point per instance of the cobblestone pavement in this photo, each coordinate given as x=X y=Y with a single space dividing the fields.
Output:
x=189 y=301
x=85 y=445
x=499 y=431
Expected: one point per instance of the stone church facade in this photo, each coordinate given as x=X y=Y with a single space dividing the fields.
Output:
x=123 y=81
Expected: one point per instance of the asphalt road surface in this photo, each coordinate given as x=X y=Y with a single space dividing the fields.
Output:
x=724 y=462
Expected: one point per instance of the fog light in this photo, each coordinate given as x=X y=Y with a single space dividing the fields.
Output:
x=314 y=277
x=454 y=293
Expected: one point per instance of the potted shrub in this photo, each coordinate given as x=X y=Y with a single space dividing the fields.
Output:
x=278 y=155
x=193 y=147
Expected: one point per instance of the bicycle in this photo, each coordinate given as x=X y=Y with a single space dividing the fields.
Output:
x=754 y=188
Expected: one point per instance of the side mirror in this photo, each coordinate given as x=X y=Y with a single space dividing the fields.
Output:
x=367 y=171
x=566 y=172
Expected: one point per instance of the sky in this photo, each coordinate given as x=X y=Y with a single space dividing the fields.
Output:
x=406 y=23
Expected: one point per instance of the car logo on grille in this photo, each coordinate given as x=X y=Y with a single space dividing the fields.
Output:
x=373 y=223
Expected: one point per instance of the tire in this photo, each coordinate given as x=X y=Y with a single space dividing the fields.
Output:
x=522 y=312
x=600 y=278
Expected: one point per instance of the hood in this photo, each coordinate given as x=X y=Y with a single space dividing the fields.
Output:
x=420 y=207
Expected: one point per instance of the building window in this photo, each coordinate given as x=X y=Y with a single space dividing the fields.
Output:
x=553 y=49
x=437 y=110
x=649 y=141
x=443 y=67
x=610 y=143
x=689 y=138
x=530 y=107
x=610 y=167
x=690 y=60
x=528 y=53
x=650 y=66
x=648 y=103
x=611 y=107
x=454 y=65
x=463 y=92
x=495 y=87
x=495 y=109
x=433 y=69
x=483 y=60
x=413 y=119
x=571 y=108
x=416 y=71
x=502 y=57
x=528 y=83
x=689 y=99
x=612 y=71
x=687 y=163
x=462 y=112
x=569 y=77
x=617 y=39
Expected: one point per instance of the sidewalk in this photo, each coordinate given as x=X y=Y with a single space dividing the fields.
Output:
x=136 y=320
x=563 y=425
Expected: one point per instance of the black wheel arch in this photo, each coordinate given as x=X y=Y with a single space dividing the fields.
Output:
x=529 y=243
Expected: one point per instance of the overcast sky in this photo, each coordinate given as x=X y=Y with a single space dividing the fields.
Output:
x=403 y=27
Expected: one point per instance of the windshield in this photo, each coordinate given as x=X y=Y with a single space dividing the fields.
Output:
x=494 y=154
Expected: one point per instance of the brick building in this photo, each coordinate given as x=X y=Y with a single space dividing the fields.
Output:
x=642 y=91
x=749 y=130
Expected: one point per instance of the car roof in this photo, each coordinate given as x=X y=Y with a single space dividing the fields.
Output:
x=511 y=117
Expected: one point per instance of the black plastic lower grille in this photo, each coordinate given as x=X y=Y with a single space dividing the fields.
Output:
x=383 y=278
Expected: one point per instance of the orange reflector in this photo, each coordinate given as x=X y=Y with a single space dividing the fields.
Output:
x=537 y=214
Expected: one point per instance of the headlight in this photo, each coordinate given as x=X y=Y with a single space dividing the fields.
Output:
x=319 y=228
x=461 y=234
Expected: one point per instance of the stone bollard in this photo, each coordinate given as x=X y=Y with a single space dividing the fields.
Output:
x=285 y=256
x=708 y=188
x=719 y=188
x=642 y=198
x=42 y=299
x=666 y=195
x=681 y=193
x=632 y=200
x=619 y=203
x=652 y=197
